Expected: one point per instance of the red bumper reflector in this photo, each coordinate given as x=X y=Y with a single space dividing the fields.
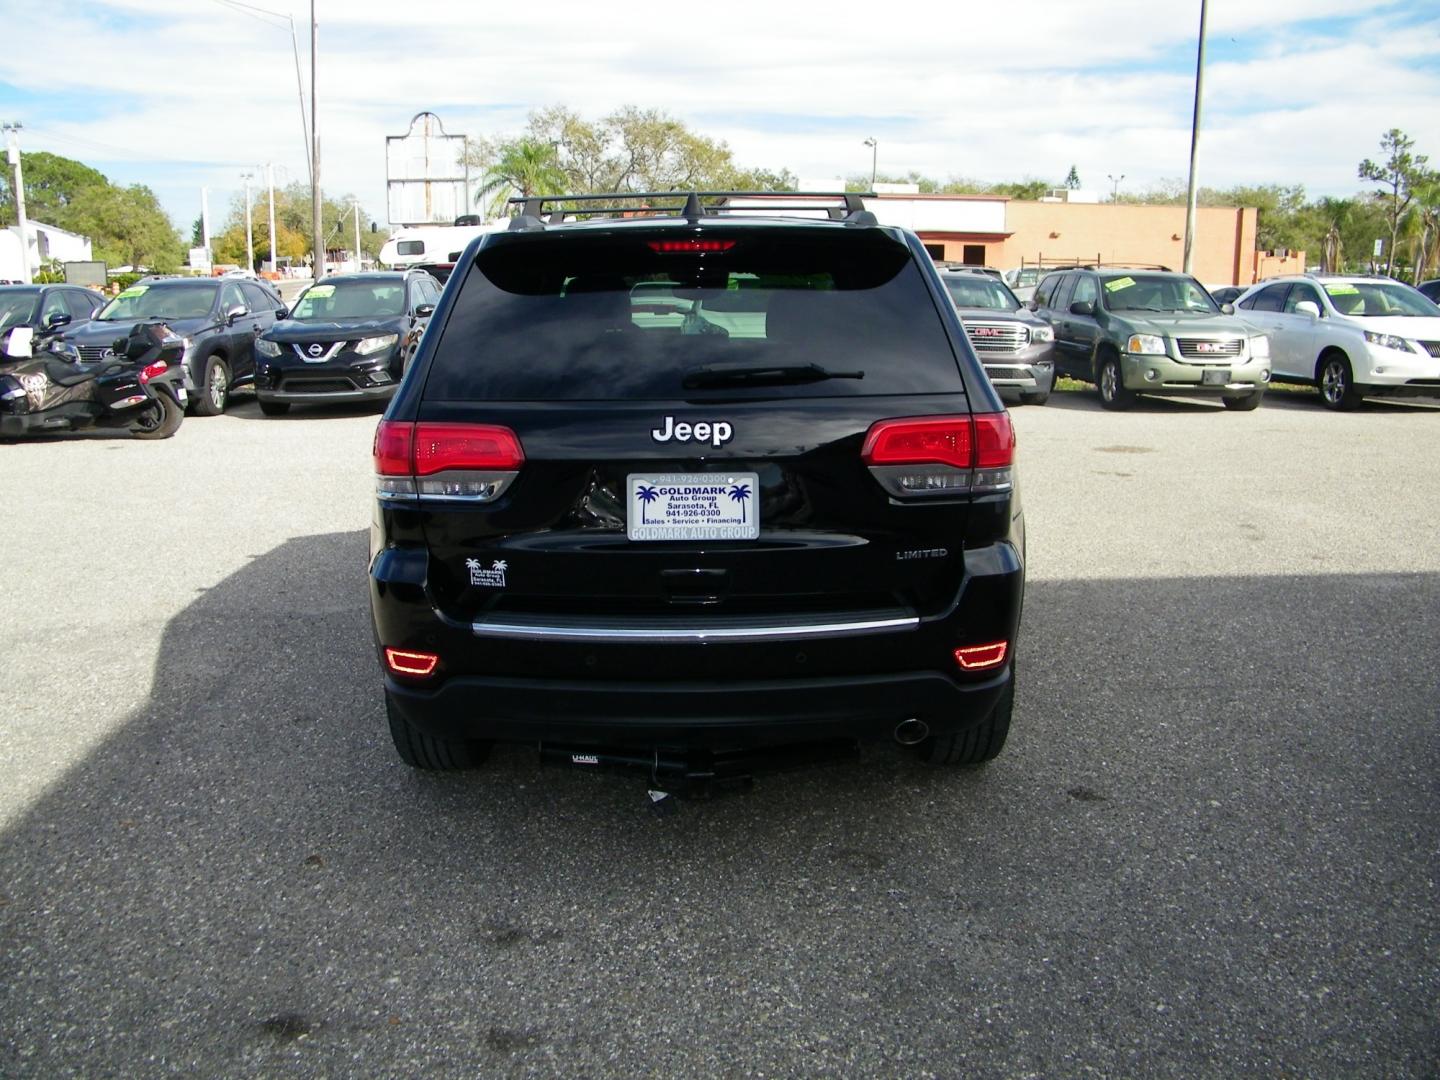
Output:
x=411 y=663
x=980 y=657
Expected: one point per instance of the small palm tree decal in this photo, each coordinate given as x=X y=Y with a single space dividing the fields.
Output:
x=472 y=565
x=500 y=565
x=739 y=493
x=646 y=494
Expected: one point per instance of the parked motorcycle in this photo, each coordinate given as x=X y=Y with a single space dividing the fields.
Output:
x=140 y=387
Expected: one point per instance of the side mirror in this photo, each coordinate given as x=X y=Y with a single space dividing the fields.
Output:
x=424 y=311
x=56 y=318
x=1308 y=307
x=282 y=312
x=21 y=342
x=237 y=311
x=1082 y=307
x=1227 y=308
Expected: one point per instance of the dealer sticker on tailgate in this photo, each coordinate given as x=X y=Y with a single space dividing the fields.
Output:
x=693 y=506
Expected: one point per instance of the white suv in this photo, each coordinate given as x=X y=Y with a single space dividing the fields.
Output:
x=1351 y=336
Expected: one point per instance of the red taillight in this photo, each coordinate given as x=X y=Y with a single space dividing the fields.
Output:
x=392 y=448
x=941 y=456
x=673 y=247
x=994 y=441
x=980 y=657
x=480 y=447
x=940 y=441
x=453 y=462
x=159 y=367
x=416 y=664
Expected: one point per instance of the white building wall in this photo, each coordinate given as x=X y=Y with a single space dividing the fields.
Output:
x=941 y=215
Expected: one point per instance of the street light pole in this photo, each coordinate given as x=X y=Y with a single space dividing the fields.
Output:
x=874 y=157
x=12 y=132
x=1194 y=144
x=317 y=239
x=355 y=206
x=1115 y=186
x=270 y=179
x=249 y=227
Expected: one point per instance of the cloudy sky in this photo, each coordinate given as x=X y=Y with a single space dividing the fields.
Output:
x=180 y=94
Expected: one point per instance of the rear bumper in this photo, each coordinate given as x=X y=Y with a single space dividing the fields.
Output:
x=697 y=681
x=694 y=714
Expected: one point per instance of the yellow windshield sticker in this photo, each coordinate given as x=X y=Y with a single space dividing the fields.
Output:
x=320 y=292
x=1341 y=289
x=133 y=290
x=1119 y=283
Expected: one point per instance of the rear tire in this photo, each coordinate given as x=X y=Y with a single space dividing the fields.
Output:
x=1110 y=380
x=160 y=422
x=274 y=408
x=975 y=745
x=1245 y=403
x=1337 y=383
x=422 y=751
x=214 y=388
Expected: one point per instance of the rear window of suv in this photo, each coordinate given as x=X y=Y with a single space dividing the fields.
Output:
x=629 y=314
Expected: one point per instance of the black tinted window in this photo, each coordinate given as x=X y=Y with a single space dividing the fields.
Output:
x=81 y=305
x=605 y=316
x=1271 y=298
x=1060 y=301
x=1045 y=291
x=256 y=298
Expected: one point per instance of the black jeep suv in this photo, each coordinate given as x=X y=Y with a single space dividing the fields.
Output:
x=778 y=508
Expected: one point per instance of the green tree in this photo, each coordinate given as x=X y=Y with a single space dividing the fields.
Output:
x=630 y=150
x=1398 y=175
x=52 y=183
x=525 y=166
x=1072 y=181
x=126 y=226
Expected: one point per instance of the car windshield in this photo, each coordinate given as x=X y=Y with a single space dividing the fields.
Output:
x=1156 y=292
x=976 y=291
x=1379 y=298
x=332 y=300
x=17 y=306
x=187 y=300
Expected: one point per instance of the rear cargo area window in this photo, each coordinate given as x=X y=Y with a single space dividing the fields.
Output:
x=629 y=314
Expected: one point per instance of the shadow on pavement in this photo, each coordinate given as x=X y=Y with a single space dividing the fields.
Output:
x=1209 y=849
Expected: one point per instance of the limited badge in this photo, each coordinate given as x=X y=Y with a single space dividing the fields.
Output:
x=491 y=577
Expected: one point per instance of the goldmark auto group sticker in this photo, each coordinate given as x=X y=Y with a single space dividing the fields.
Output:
x=490 y=577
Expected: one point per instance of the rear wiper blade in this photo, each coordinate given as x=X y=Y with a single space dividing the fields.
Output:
x=762 y=375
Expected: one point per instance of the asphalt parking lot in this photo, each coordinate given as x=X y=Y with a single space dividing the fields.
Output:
x=1210 y=847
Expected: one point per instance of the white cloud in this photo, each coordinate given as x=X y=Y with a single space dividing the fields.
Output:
x=955 y=88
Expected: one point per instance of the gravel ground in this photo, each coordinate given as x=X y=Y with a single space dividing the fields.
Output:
x=1209 y=849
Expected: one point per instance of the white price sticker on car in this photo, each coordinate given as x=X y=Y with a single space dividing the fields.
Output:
x=693 y=506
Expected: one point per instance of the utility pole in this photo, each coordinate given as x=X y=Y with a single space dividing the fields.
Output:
x=1194 y=143
x=205 y=221
x=874 y=158
x=12 y=133
x=355 y=205
x=270 y=180
x=249 y=227
x=317 y=238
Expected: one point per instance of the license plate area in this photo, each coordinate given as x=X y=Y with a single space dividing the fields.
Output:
x=1214 y=376
x=692 y=506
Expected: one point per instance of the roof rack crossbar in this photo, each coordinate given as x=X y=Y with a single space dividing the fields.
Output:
x=535 y=211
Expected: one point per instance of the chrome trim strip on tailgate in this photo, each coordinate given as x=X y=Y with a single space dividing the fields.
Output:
x=658 y=631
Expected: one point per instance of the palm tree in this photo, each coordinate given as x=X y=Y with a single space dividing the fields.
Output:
x=646 y=494
x=527 y=166
x=739 y=493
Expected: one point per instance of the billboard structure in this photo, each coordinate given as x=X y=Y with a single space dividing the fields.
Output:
x=427 y=180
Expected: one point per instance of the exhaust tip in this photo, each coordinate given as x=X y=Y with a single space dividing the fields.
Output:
x=909 y=732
